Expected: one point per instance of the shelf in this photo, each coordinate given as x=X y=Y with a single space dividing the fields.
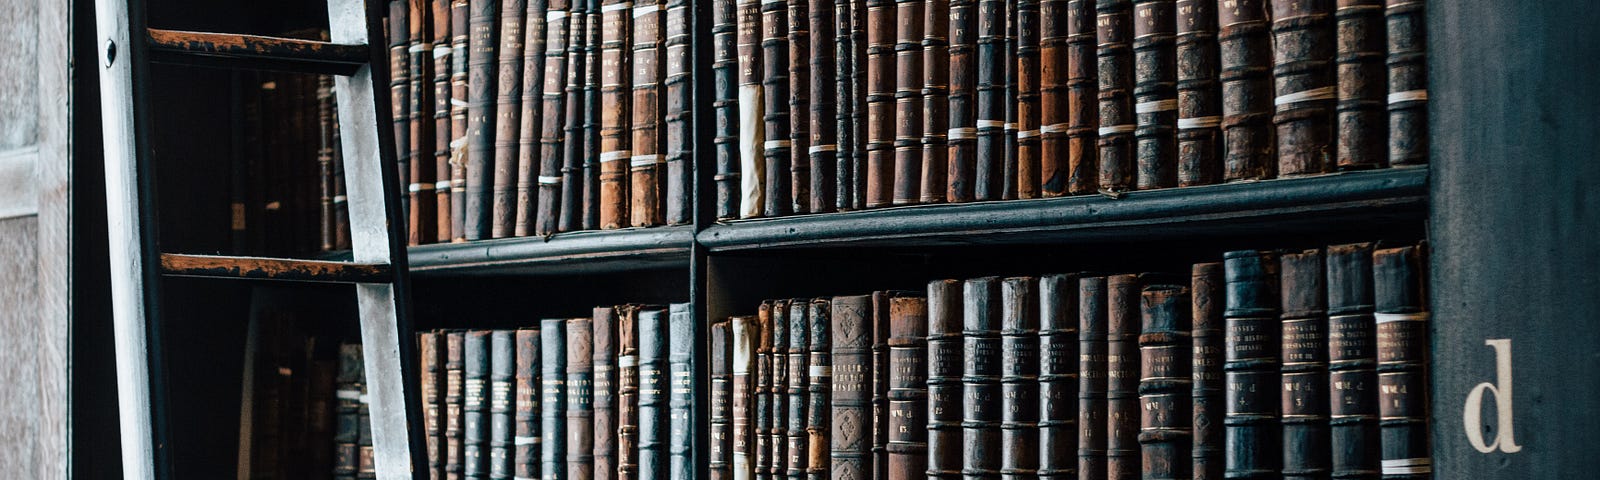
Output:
x=1309 y=204
x=600 y=251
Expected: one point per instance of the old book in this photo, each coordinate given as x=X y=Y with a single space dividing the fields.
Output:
x=850 y=429
x=778 y=431
x=419 y=117
x=1303 y=79
x=880 y=90
x=325 y=148
x=796 y=442
x=481 y=57
x=678 y=171
x=1114 y=22
x=347 y=405
x=908 y=114
x=719 y=448
x=1054 y=99
x=945 y=447
x=908 y=397
x=525 y=439
x=961 y=135
x=616 y=98
x=1083 y=91
x=440 y=87
x=628 y=386
x=1206 y=305
x=823 y=126
x=1092 y=377
x=880 y=380
x=819 y=386
x=528 y=130
x=603 y=361
x=573 y=143
x=799 y=64
x=990 y=144
x=553 y=398
x=1155 y=93
x=1058 y=376
x=460 y=33
x=431 y=351
x=508 y=116
x=580 y=398
x=1165 y=382
x=1407 y=26
x=762 y=454
x=475 y=404
x=744 y=331
x=1362 y=123
x=590 y=217
x=725 y=107
x=980 y=377
x=846 y=75
x=1199 y=95
x=552 y=116
x=752 y=110
x=321 y=416
x=1250 y=368
x=1305 y=364
x=1352 y=364
x=1028 y=78
x=1401 y=304
x=1122 y=376
x=679 y=383
x=1008 y=162
x=1019 y=376
x=400 y=94
x=647 y=163
x=859 y=90
x=776 y=147
x=502 y=401
x=454 y=405
x=1245 y=46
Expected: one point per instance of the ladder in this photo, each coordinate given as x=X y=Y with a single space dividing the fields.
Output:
x=378 y=263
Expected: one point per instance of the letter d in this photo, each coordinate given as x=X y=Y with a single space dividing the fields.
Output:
x=1505 y=439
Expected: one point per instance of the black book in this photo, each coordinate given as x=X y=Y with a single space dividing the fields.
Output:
x=1122 y=376
x=481 y=61
x=725 y=107
x=1402 y=316
x=1251 y=449
x=819 y=387
x=1164 y=382
x=778 y=430
x=1352 y=363
x=944 y=379
x=1019 y=377
x=652 y=324
x=475 y=409
x=454 y=403
x=680 y=364
x=1058 y=376
x=553 y=397
x=720 y=448
x=980 y=375
x=1092 y=377
x=502 y=378
x=796 y=444
x=1305 y=365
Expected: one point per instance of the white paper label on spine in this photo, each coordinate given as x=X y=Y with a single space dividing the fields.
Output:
x=991 y=123
x=1324 y=93
x=444 y=185
x=1401 y=317
x=615 y=155
x=772 y=144
x=645 y=160
x=1115 y=129
x=626 y=361
x=1199 y=122
x=415 y=48
x=752 y=130
x=1055 y=128
x=458 y=183
x=520 y=440
x=821 y=371
x=1027 y=133
x=340 y=199
x=963 y=133
x=549 y=180
x=1407 y=466
x=1156 y=106
x=1408 y=96
x=643 y=10
x=441 y=51
x=558 y=15
x=822 y=148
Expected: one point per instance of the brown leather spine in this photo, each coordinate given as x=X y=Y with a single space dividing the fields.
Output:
x=526 y=439
x=963 y=134
x=430 y=353
x=1246 y=52
x=420 y=118
x=481 y=63
x=570 y=216
x=508 y=117
x=1165 y=434
x=628 y=383
x=1058 y=377
x=604 y=328
x=647 y=163
x=1122 y=377
x=799 y=106
x=460 y=32
x=880 y=382
x=778 y=435
x=552 y=116
x=400 y=98
x=1028 y=77
x=725 y=105
x=765 y=397
x=880 y=81
x=677 y=175
x=1092 y=378
x=819 y=388
x=1155 y=93
x=850 y=432
x=1199 y=94
x=990 y=145
x=1362 y=120
x=908 y=396
x=745 y=331
x=980 y=377
x=1303 y=80
x=719 y=451
x=616 y=96
x=1019 y=377
x=1352 y=364
x=1407 y=26
x=440 y=88
x=908 y=101
x=1207 y=396
x=454 y=408
x=1083 y=91
x=945 y=447
x=580 y=399
x=1054 y=97
x=325 y=178
x=527 y=179
x=825 y=101
x=935 y=102
x=777 y=149
x=1114 y=23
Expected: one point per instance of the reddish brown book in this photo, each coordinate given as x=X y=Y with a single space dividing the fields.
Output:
x=616 y=96
x=1208 y=395
x=419 y=116
x=508 y=117
x=552 y=117
x=459 y=34
x=647 y=164
x=1028 y=76
x=1246 y=49
x=1083 y=90
x=963 y=124
x=908 y=102
x=1303 y=80
x=1054 y=99
x=880 y=87
x=1165 y=432
x=908 y=396
x=442 y=60
x=399 y=30
x=935 y=102
x=1122 y=377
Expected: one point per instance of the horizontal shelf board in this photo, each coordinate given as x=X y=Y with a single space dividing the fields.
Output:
x=231 y=50
x=575 y=252
x=260 y=268
x=1308 y=204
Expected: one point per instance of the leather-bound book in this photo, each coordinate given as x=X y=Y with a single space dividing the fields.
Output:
x=880 y=86
x=590 y=219
x=990 y=144
x=502 y=401
x=1165 y=434
x=745 y=332
x=776 y=149
x=1092 y=378
x=825 y=100
x=847 y=71
x=460 y=33
x=762 y=454
x=653 y=388
x=553 y=398
x=1008 y=162
x=980 y=377
x=725 y=107
x=1054 y=99
x=752 y=201
x=859 y=91
x=945 y=446
x=526 y=439
x=440 y=88
x=1058 y=376
x=482 y=55
x=908 y=395
x=819 y=380
x=1114 y=24
x=573 y=143
x=1352 y=364
x=799 y=105
x=1305 y=364
x=527 y=180
x=454 y=405
x=680 y=390
x=1199 y=94
x=850 y=428
x=1019 y=377
x=430 y=351
x=934 y=182
x=1028 y=77
x=628 y=392
x=616 y=98
x=1205 y=311
x=1083 y=106
x=719 y=451
x=347 y=412
x=604 y=364
x=1250 y=369
x=908 y=113
x=1246 y=51
x=881 y=380
x=552 y=116
x=475 y=405
x=508 y=116
x=1303 y=79
x=1401 y=304
x=1155 y=92
x=962 y=135
x=1362 y=121
x=797 y=445
x=1407 y=25
x=1122 y=376
x=420 y=119
x=678 y=172
x=647 y=163
x=580 y=399
x=325 y=178
x=778 y=431
x=400 y=92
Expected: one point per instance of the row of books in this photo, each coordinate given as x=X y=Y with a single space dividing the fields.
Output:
x=531 y=117
x=1293 y=364
x=874 y=103
x=607 y=396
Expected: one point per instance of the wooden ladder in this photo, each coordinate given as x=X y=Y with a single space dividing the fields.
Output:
x=378 y=263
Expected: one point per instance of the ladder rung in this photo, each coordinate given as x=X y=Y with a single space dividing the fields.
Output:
x=229 y=50
x=259 y=268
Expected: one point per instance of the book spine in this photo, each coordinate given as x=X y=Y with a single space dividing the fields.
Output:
x=776 y=147
x=1019 y=376
x=431 y=354
x=935 y=151
x=1305 y=365
x=1165 y=382
x=553 y=398
x=341 y=212
x=1058 y=377
x=846 y=46
x=859 y=92
x=325 y=177
x=1407 y=26
x=850 y=427
x=481 y=65
x=990 y=144
x=1054 y=98
x=570 y=216
x=908 y=396
x=603 y=332
x=980 y=377
x=797 y=443
x=1401 y=304
x=1092 y=377
x=1352 y=364
x=1008 y=162
x=762 y=455
x=558 y=25
x=1246 y=51
x=825 y=102
x=1199 y=97
x=420 y=120
x=1114 y=30
x=1250 y=368
x=454 y=404
x=580 y=399
x=475 y=409
x=525 y=450
x=502 y=402
x=908 y=106
x=799 y=105
x=1303 y=80
x=616 y=98
x=443 y=58
x=778 y=431
x=880 y=104
x=646 y=165
x=677 y=207
x=680 y=403
x=1155 y=93
x=1122 y=376
x=1083 y=91
x=744 y=331
x=1362 y=122
x=880 y=383
x=460 y=33
x=533 y=50
x=819 y=389
x=944 y=379
x=508 y=117
x=962 y=133
x=725 y=106
x=1028 y=77
x=1205 y=311
x=399 y=22
x=628 y=386
x=592 y=109
x=752 y=115
x=719 y=451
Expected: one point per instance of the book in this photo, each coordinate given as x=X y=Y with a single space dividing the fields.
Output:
x=430 y=352
x=455 y=421
x=528 y=130
x=945 y=447
x=1083 y=91
x=818 y=388
x=1303 y=80
x=616 y=98
x=347 y=412
x=647 y=165
x=1122 y=376
x=908 y=402
x=502 y=401
x=1028 y=77
x=881 y=380
x=1407 y=27
x=1092 y=377
x=752 y=103
x=475 y=405
x=1054 y=98
x=1008 y=162
x=1362 y=120
x=796 y=441
x=1245 y=46
x=1019 y=376
x=1165 y=382
x=778 y=435
x=935 y=52
x=1199 y=95
x=603 y=332
x=880 y=103
x=628 y=386
x=1352 y=364
x=776 y=149
x=399 y=33
x=1401 y=308
x=1058 y=376
x=552 y=117
x=1251 y=363
x=508 y=117
x=1114 y=34
x=678 y=173
x=590 y=218
x=1155 y=93
x=526 y=438
x=980 y=376
x=580 y=398
x=962 y=134
x=419 y=120
x=1305 y=364
x=553 y=398
x=725 y=108
x=850 y=430
x=481 y=57
x=460 y=35
x=680 y=401
x=908 y=114
x=846 y=77
x=990 y=144
x=1206 y=295
x=570 y=216
x=763 y=415
x=719 y=449
x=859 y=90
x=825 y=101
x=799 y=64
x=744 y=332
x=442 y=60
